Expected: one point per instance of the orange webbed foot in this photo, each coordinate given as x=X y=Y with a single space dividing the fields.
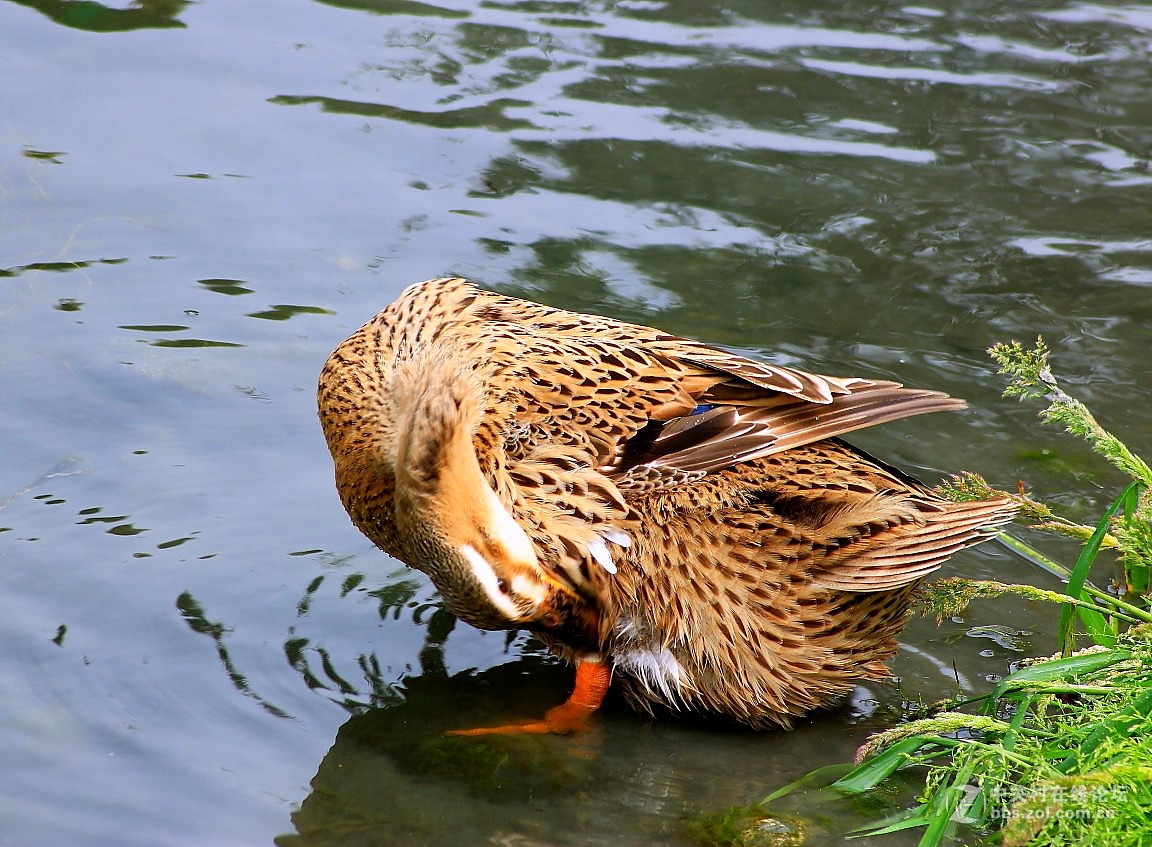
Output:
x=592 y=679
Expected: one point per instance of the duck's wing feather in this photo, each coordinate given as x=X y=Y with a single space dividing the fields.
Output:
x=724 y=435
x=913 y=549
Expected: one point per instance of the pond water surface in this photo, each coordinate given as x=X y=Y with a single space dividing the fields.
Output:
x=198 y=201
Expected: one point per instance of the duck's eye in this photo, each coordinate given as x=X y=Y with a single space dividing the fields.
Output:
x=502 y=584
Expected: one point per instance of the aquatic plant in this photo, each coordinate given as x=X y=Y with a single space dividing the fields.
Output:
x=1058 y=751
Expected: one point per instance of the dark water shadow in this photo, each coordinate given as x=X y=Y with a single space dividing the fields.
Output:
x=392 y=776
x=96 y=17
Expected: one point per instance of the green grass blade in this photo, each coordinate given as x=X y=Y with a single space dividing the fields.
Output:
x=905 y=819
x=1136 y=567
x=1093 y=621
x=1008 y=740
x=869 y=774
x=1116 y=605
x=943 y=805
x=1059 y=669
x=1034 y=556
x=819 y=778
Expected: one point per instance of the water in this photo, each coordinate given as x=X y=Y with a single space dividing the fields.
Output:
x=198 y=201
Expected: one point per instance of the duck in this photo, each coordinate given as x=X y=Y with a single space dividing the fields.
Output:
x=680 y=522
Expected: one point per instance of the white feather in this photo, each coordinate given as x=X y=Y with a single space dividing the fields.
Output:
x=656 y=669
x=599 y=551
x=488 y=581
x=617 y=536
x=504 y=527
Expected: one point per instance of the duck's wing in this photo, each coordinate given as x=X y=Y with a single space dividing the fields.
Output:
x=725 y=430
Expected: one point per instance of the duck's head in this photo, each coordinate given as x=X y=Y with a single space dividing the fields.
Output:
x=482 y=562
x=451 y=522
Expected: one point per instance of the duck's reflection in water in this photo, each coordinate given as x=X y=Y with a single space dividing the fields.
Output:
x=392 y=777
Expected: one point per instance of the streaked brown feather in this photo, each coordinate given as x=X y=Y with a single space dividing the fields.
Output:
x=770 y=565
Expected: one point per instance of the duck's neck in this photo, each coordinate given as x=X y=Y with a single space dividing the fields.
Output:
x=451 y=522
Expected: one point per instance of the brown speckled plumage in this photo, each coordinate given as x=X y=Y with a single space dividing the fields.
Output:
x=685 y=513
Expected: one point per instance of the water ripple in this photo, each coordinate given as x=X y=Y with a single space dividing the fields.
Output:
x=936 y=75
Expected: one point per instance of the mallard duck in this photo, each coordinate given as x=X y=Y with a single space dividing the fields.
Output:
x=647 y=505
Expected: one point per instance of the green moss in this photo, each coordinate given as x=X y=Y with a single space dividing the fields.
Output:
x=498 y=767
x=746 y=826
